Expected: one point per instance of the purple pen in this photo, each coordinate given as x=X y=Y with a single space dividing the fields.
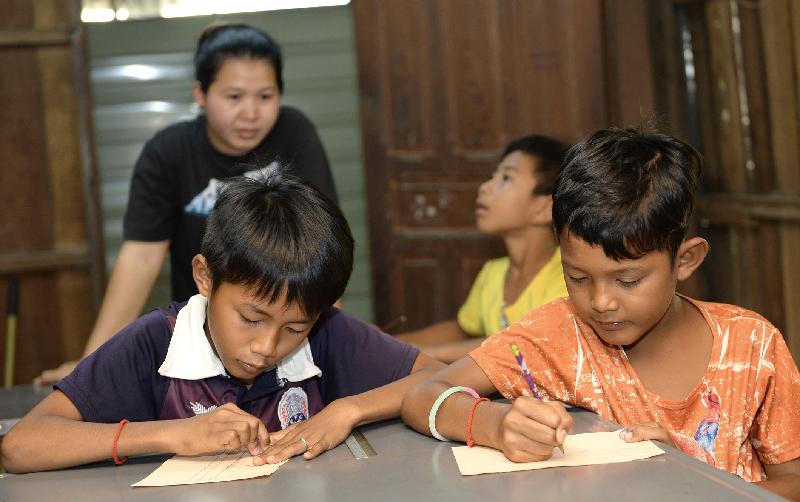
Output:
x=528 y=377
x=525 y=372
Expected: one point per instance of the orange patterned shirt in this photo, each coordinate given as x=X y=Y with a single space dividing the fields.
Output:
x=745 y=410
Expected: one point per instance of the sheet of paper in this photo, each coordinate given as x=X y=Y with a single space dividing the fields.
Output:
x=581 y=449
x=207 y=469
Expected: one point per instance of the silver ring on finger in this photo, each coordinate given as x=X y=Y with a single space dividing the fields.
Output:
x=305 y=443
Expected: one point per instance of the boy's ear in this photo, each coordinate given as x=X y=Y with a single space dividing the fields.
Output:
x=691 y=254
x=199 y=95
x=201 y=275
x=542 y=210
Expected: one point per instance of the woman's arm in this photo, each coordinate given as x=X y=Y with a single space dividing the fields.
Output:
x=135 y=271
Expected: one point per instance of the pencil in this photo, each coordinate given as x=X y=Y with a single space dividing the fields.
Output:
x=525 y=372
x=528 y=377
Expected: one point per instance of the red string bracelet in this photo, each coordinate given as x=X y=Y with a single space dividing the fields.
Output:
x=470 y=439
x=117 y=460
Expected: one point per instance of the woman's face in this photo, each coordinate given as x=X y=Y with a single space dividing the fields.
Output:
x=241 y=104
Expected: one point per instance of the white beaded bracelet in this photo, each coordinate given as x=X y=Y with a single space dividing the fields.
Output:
x=439 y=400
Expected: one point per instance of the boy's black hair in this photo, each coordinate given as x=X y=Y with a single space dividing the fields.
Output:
x=221 y=41
x=550 y=153
x=277 y=235
x=628 y=191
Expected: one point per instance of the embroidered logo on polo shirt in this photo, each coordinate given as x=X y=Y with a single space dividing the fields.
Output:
x=293 y=407
x=199 y=408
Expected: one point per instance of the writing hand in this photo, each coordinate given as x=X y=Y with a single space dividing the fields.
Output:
x=532 y=428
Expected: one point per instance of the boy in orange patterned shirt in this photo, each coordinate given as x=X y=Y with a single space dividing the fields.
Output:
x=716 y=381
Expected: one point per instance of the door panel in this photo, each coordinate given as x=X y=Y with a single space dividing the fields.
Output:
x=445 y=85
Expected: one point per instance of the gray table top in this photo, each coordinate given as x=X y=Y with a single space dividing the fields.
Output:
x=20 y=399
x=408 y=466
x=17 y=401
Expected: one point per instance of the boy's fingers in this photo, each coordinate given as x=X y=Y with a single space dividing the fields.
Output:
x=251 y=430
x=314 y=450
x=525 y=449
x=565 y=419
x=276 y=436
x=561 y=435
x=549 y=413
x=280 y=453
x=643 y=432
x=263 y=435
x=231 y=441
x=254 y=448
x=539 y=433
x=259 y=438
x=527 y=440
x=242 y=430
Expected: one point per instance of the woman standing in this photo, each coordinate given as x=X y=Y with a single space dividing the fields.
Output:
x=238 y=72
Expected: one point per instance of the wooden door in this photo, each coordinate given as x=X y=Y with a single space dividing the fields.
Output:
x=445 y=84
x=49 y=224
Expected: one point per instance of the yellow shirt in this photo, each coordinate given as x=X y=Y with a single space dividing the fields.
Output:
x=482 y=313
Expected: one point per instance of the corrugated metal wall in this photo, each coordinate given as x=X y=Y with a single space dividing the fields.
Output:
x=132 y=102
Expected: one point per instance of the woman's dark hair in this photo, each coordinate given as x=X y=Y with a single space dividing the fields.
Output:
x=628 y=191
x=279 y=236
x=550 y=153
x=220 y=42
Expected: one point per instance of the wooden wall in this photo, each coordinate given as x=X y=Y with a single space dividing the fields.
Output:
x=48 y=223
x=743 y=82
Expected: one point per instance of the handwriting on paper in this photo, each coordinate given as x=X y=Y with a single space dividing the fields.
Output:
x=581 y=449
x=207 y=469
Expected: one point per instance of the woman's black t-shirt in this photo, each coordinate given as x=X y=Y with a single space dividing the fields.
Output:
x=178 y=176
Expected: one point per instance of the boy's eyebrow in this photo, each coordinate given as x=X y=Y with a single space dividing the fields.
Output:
x=234 y=87
x=566 y=263
x=630 y=269
x=255 y=308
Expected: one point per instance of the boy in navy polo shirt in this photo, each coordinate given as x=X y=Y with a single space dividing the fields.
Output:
x=259 y=360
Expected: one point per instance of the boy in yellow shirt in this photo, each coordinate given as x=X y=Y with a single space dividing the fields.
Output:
x=515 y=204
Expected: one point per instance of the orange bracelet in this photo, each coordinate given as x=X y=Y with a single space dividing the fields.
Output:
x=470 y=440
x=117 y=460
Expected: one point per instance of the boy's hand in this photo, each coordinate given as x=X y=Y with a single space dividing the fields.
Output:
x=532 y=428
x=646 y=431
x=323 y=431
x=226 y=428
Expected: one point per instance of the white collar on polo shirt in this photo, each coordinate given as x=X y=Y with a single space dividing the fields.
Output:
x=191 y=357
